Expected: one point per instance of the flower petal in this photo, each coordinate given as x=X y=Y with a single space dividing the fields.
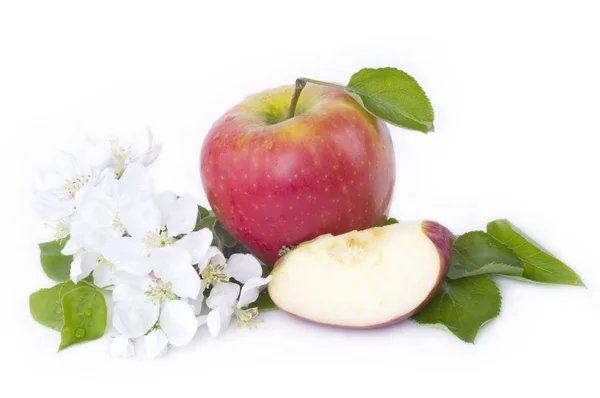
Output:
x=121 y=347
x=223 y=294
x=130 y=287
x=218 y=320
x=135 y=185
x=71 y=247
x=181 y=219
x=155 y=344
x=139 y=218
x=83 y=264
x=251 y=289
x=212 y=256
x=97 y=238
x=196 y=243
x=148 y=154
x=165 y=202
x=105 y=275
x=179 y=323
x=243 y=267
x=133 y=318
x=128 y=254
x=197 y=303
x=51 y=207
x=173 y=264
x=96 y=206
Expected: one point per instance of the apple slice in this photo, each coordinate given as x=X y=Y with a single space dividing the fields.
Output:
x=363 y=279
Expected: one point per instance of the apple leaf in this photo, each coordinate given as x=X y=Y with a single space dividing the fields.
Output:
x=539 y=265
x=477 y=253
x=264 y=302
x=463 y=306
x=391 y=221
x=46 y=307
x=85 y=315
x=56 y=265
x=394 y=96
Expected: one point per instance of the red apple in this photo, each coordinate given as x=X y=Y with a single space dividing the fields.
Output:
x=274 y=181
x=363 y=279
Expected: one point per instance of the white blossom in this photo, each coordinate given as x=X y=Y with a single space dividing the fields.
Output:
x=241 y=267
x=226 y=299
x=121 y=347
x=56 y=187
x=140 y=299
x=119 y=153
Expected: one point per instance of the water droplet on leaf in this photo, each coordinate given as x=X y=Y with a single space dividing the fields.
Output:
x=89 y=312
x=58 y=310
x=80 y=333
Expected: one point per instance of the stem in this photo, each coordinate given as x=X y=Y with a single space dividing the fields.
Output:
x=300 y=83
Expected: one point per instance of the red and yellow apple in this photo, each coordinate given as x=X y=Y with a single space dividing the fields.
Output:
x=363 y=279
x=275 y=181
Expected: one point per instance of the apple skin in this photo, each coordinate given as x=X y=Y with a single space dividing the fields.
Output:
x=274 y=182
x=442 y=238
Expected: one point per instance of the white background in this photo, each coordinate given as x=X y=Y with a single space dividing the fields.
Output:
x=515 y=90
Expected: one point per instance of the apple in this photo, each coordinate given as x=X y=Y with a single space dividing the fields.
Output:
x=275 y=181
x=363 y=279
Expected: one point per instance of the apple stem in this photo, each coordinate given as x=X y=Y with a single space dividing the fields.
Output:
x=300 y=83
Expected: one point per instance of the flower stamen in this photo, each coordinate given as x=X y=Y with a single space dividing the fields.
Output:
x=160 y=292
x=159 y=239
x=245 y=316
x=74 y=186
x=60 y=228
x=121 y=155
x=214 y=274
x=117 y=223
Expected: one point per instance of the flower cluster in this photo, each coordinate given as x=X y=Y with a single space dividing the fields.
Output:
x=143 y=247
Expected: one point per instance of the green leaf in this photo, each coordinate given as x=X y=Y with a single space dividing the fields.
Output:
x=203 y=212
x=84 y=310
x=264 y=302
x=539 y=265
x=56 y=265
x=477 y=253
x=45 y=305
x=391 y=221
x=394 y=96
x=492 y=268
x=225 y=237
x=463 y=306
x=206 y=222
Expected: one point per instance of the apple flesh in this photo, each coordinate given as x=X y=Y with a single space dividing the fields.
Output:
x=363 y=279
x=277 y=182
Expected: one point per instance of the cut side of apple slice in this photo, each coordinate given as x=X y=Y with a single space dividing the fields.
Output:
x=363 y=279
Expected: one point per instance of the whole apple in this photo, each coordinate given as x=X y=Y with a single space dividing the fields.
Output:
x=275 y=181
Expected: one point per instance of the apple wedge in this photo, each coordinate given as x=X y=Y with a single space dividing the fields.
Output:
x=363 y=279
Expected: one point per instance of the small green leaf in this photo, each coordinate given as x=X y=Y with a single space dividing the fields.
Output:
x=56 y=265
x=463 y=306
x=45 y=305
x=477 y=253
x=85 y=313
x=225 y=237
x=264 y=302
x=394 y=96
x=539 y=265
x=203 y=212
x=206 y=222
x=391 y=221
